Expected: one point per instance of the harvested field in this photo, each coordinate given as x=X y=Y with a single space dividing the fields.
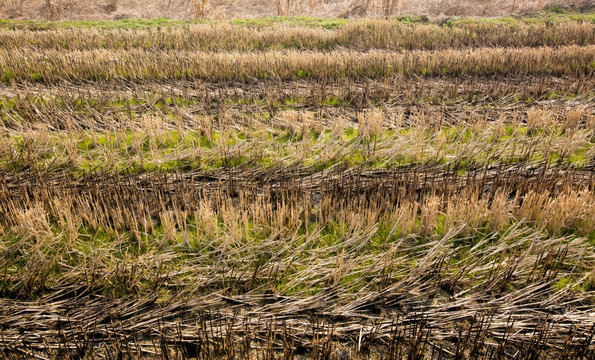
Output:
x=378 y=189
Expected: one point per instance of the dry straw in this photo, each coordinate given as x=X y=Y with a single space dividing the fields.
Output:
x=166 y=193
x=114 y=65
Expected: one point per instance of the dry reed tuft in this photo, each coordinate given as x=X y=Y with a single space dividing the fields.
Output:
x=55 y=8
x=200 y=8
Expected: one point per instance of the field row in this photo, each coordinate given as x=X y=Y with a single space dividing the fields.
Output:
x=529 y=266
x=116 y=203
x=361 y=35
x=432 y=102
x=124 y=65
x=376 y=139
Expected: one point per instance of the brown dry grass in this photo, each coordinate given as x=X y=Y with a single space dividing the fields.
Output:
x=200 y=8
x=183 y=9
x=311 y=202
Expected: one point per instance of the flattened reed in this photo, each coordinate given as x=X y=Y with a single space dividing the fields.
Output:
x=438 y=101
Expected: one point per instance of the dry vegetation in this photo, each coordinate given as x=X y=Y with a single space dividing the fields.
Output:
x=378 y=190
x=228 y=9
